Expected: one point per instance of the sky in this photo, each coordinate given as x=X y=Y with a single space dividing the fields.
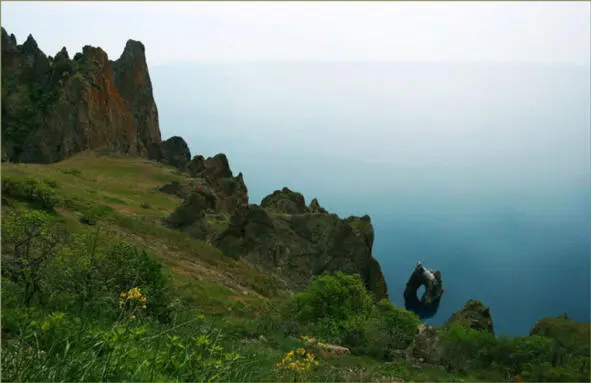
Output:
x=173 y=32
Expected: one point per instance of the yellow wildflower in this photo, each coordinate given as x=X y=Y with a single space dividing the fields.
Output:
x=133 y=294
x=298 y=360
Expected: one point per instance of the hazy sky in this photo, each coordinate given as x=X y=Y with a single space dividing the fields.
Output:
x=545 y=32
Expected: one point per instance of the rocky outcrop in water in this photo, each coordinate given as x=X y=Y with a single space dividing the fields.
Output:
x=427 y=305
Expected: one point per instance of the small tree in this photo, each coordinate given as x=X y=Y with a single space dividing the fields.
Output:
x=28 y=241
x=338 y=296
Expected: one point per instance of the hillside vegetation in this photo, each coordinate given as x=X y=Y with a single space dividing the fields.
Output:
x=95 y=287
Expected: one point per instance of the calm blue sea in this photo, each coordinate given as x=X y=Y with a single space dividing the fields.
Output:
x=480 y=170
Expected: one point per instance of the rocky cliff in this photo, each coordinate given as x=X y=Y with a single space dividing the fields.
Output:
x=54 y=107
x=282 y=235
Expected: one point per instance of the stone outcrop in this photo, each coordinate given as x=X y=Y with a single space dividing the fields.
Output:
x=426 y=346
x=176 y=188
x=210 y=197
x=213 y=168
x=285 y=201
x=316 y=208
x=473 y=315
x=299 y=246
x=327 y=350
x=53 y=108
x=174 y=152
x=282 y=235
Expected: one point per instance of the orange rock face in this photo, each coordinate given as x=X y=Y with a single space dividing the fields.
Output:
x=55 y=107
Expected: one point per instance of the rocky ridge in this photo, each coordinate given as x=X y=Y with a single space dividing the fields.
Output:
x=281 y=235
x=55 y=107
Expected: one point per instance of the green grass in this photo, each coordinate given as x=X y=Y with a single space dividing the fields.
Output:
x=111 y=189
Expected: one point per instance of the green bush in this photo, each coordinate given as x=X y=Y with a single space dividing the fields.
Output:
x=465 y=349
x=533 y=358
x=30 y=241
x=338 y=297
x=39 y=193
x=91 y=272
x=389 y=329
x=338 y=308
x=527 y=350
x=538 y=358
x=329 y=304
x=83 y=272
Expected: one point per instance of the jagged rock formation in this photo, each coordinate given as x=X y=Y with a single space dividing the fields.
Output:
x=285 y=201
x=209 y=198
x=316 y=208
x=174 y=152
x=301 y=245
x=213 y=168
x=53 y=108
x=282 y=235
x=473 y=315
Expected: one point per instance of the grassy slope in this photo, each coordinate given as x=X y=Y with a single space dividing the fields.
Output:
x=123 y=184
x=116 y=187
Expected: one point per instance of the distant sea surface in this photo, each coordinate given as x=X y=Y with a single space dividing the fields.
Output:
x=481 y=170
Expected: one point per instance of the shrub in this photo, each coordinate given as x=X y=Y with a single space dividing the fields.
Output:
x=29 y=242
x=338 y=297
x=465 y=349
x=338 y=308
x=90 y=273
x=38 y=193
x=528 y=350
x=80 y=272
x=389 y=329
x=331 y=305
